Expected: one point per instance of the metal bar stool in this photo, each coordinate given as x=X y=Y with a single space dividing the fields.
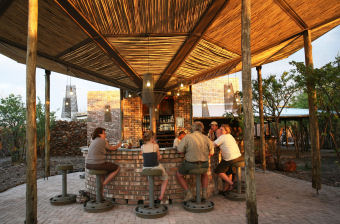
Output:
x=100 y=204
x=198 y=205
x=152 y=210
x=237 y=194
x=64 y=198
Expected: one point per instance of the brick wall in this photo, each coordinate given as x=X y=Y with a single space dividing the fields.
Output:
x=183 y=109
x=132 y=118
x=129 y=187
x=96 y=102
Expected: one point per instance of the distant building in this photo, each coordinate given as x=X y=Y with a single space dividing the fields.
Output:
x=70 y=104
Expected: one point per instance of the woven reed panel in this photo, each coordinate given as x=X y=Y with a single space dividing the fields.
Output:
x=145 y=16
x=204 y=56
x=147 y=55
x=91 y=57
x=315 y=12
x=54 y=27
x=269 y=25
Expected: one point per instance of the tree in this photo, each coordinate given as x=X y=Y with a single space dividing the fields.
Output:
x=300 y=101
x=327 y=85
x=277 y=94
x=12 y=121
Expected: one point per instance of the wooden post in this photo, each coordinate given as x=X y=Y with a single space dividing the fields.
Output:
x=251 y=211
x=286 y=133
x=121 y=114
x=47 y=123
x=31 y=126
x=313 y=120
x=152 y=118
x=262 y=138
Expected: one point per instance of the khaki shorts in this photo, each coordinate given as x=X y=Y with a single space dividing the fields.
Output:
x=164 y=176
x=186 y=166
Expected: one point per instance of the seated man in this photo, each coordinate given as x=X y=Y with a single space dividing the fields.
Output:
x=179 y=138
x=230 y=155
x=197 y=148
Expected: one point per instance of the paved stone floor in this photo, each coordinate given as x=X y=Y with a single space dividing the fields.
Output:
x=280 y=199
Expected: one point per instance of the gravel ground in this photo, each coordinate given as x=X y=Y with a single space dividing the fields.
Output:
x=12 y=175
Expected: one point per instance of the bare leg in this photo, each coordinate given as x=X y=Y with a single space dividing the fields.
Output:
x=226 y=178
x=110 y=177
x=181 y=180
x=163 y=187
x=204 y=180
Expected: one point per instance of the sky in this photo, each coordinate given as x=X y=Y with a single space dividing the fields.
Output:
x=13 y=74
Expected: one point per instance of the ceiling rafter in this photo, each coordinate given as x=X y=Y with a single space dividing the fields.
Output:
x=291 y=12
x=67 y=64
x=101 y=41
x=4 y=5
x=192 y=40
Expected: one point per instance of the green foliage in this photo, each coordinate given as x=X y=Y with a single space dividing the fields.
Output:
x=12 y=122
x=300 y=101
x=326 y=81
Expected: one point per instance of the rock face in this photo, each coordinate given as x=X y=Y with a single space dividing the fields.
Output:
x=67 y=137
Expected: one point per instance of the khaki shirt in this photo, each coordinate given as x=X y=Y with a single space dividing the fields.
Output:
x=196 y=147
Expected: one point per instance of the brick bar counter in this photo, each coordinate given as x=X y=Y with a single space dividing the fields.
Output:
x=129 y=187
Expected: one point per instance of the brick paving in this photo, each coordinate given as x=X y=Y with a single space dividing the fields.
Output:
x=280 y=199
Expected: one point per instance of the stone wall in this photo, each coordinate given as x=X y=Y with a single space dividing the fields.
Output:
x=96 y=102
x=67 y=137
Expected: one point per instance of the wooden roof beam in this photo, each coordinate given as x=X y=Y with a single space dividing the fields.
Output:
x=76 y=67
x=74 y=47
x=4 y=5
x=290 y=12
x=92 y=32
x=192 y=40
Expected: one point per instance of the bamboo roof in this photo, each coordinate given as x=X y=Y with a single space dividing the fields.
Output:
x=116 y=42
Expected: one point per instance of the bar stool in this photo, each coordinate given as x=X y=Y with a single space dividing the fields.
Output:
x=151 y=211
x=100 y=204
x=64 y=198
x=238 y=194
x=198 y=205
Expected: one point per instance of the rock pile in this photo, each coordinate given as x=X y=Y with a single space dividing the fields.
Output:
x=67 y=137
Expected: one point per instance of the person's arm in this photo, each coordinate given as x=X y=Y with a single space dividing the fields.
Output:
x=158 y=153
x=218 y=141
x=211 y=148
x=182 y=145
x=112 y=147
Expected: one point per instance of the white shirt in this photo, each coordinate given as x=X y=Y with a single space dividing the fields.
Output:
x=228 y=146
x=176 y=142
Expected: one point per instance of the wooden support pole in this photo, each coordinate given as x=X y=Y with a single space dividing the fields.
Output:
x=121 y=114
x=313 y=120
x=47 y=123
x=251 y=210
x=286 y=134
x=152 y=118
x=31 y=125
x=262 y=138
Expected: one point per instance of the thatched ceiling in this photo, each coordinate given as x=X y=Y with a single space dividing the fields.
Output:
x=115 y=42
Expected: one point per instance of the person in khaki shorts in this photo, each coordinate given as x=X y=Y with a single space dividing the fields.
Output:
x=197 y=149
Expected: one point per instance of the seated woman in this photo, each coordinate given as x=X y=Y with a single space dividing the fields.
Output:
x=151 y=157
x=95 y=159
x=230 y=155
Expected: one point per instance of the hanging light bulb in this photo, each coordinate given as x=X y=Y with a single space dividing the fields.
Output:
x=148 y=84
x=71 y=92
x=66 y=103
x=228 y=90
x=129 y=95
x=182 y=85
x=237 y=99
x=178 y=94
